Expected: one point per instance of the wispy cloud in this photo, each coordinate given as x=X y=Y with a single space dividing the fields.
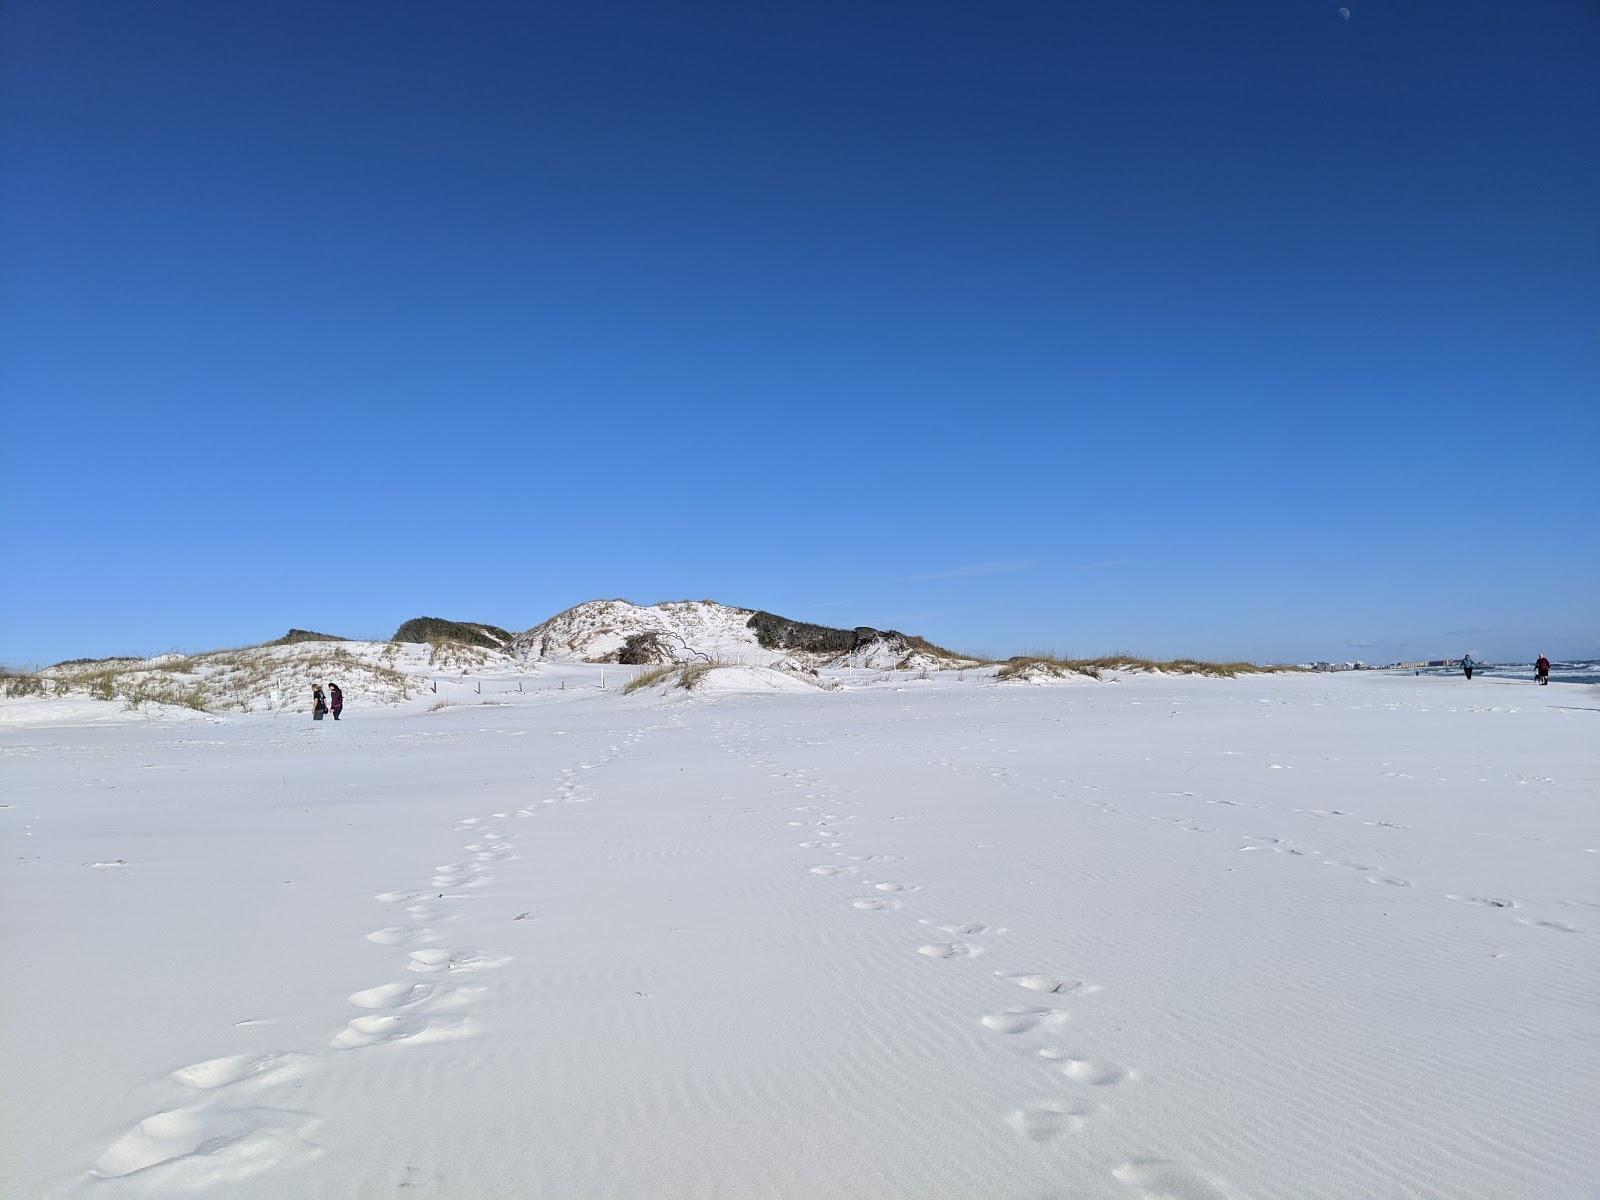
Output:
x=972 y=570
x=1101 y=565
x=1370 y=644
x=1467 y=632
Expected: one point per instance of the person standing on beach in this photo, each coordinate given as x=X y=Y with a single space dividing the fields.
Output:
x=1466 y=665
x=1541 y=669
x=335 y=700
x=318 y=704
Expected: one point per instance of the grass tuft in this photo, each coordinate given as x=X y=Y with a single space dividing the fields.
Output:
x=693 y=674
x=648 y=678
x=21 y=684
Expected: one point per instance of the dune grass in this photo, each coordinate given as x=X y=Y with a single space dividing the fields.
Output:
x=687 y=676
x=244 y=679
x=21 y=683
x=693 y=674
x=648 y=678
x=1049 y=663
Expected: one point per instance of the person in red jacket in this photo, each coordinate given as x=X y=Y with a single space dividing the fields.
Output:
x=335 y=700
x=1542 y=669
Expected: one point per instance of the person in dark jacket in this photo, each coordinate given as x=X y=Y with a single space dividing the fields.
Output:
x=1541 y=669
x=335 y=700
x=1466 y=665
x=319 y=705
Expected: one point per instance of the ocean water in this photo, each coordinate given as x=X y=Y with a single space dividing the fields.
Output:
x=1578 y=671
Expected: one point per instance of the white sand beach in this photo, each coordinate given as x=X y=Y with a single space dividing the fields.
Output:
x=1309 y=936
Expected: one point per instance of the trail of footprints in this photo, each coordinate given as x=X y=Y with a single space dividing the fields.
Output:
x=1068 y=1076
x=226 y=1129
x=1276 y=845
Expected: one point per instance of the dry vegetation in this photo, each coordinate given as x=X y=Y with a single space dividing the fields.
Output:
x=271 y=676
x=21 y=683
x=692 y=675
x=648 y=678
x=1025 y=666
x=451 y=656
x=687 y=676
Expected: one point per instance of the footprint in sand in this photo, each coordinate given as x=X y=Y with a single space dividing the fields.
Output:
x=434 y=961
x=1050 y=1119
x=874 y=905
x=1043 y=983
x=401 y=935
x=959 y=929
x=393 y=995
x=221 y=1072
x=206 y=1148
x=1163 y=1179
x=1391 y=880
x=1491 y=901
x=948 y=950
x=825 y=870
x=392 y=1027
x=1095 y=1072
x=1021 y=1020
x=462 y=882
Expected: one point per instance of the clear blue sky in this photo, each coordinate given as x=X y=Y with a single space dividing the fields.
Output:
x=1240 y=329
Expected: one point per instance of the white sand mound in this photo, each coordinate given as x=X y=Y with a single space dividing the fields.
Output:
x=597 y=630
x=1044 y=673
x=754 y=679
x=699 y=678
x=258 y=678
x=68 y=711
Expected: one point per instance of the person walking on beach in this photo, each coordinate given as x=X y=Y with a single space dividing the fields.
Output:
x=1466 y=665
x=318 y=704
x=1541 y=669
x=335 y=700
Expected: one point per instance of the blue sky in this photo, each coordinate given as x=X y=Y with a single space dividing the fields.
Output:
x=1233 y=330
